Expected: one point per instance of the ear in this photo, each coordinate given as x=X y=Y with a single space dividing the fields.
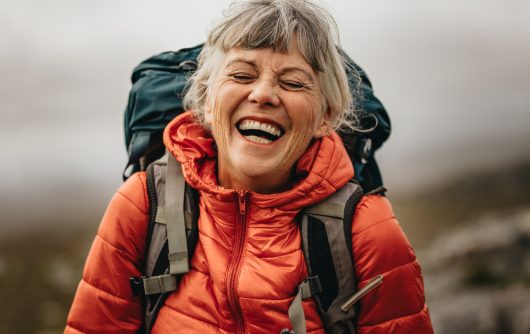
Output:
x=323 y=131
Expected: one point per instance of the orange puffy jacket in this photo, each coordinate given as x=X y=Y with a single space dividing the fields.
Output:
x=248 y=260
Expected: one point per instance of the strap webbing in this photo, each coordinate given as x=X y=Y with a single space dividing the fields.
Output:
x=308 y=288
x=296 y=314
x=161 y=216
x=176 y=230
x=159 y=284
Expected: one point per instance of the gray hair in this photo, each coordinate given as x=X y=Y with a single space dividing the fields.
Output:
x=273 y=24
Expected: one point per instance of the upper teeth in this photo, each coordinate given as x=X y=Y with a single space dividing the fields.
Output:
x=255 y=125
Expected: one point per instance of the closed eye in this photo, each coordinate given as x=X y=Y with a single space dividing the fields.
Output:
x=242 y=77
x=293 y=85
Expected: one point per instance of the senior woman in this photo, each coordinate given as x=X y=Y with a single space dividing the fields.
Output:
x=264 y=102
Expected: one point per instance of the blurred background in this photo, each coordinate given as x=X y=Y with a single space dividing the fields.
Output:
x=453 y=75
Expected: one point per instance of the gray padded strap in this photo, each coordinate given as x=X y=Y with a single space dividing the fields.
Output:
x=327 y=208
x=159 y=284
x=331 y=213
x=176 y=231
x=334 y=205
x=344 y=269
x=159 y=233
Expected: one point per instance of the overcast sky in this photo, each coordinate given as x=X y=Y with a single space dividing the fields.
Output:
x=454 y=76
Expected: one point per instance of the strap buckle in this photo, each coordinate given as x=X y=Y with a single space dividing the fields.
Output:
x=137 y=285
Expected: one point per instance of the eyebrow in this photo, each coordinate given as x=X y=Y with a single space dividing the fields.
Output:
x=284 y=70
x=241 y=60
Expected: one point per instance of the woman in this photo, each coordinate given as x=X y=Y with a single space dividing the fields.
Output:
x=269 y=92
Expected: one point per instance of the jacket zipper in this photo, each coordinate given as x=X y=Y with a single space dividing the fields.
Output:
x=235 y=265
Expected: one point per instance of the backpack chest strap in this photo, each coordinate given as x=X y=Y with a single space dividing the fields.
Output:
x=147 y=286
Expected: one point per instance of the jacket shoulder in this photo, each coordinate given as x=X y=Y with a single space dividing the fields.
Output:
x=380 y=247
x=117 y=253
x=378 y=238
x=124 y=224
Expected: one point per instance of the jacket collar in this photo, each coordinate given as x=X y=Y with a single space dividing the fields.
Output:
x=322 y=169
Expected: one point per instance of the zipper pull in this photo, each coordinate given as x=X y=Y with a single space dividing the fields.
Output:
x=242 y=198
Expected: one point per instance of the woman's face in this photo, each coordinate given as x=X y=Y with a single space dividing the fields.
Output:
x=264 y=109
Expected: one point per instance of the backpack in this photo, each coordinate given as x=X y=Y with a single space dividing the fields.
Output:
x=155 y=99
x=159 y=85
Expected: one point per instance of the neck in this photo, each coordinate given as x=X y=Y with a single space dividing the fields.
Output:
x=262 y=184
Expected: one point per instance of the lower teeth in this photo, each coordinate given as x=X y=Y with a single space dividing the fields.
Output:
x=259 y=140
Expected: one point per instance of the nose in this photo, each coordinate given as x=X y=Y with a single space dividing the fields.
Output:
x=264 y=93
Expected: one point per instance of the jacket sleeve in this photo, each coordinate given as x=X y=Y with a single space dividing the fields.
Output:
x=104 y=302
x=380 y=247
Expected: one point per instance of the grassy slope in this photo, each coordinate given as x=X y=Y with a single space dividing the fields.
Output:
x=38 y=276
x=428 y=213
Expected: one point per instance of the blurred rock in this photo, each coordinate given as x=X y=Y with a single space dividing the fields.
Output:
x=483 y=311
x=478 y=276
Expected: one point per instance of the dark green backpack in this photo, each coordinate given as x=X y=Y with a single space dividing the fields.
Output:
x=159 y=84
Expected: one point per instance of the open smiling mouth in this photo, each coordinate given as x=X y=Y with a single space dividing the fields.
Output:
x=257 y=132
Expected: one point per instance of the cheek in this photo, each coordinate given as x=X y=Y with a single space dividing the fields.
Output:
x=221 y=125
x=220 y=119
x=305 y=121
x=308 y=116
x=216 y=114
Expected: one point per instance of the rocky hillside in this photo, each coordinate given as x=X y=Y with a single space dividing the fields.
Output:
x=472 y=237
x=478 y=276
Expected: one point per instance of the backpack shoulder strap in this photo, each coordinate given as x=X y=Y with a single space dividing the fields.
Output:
x=172 y=234
x=327 y=245
x=174 y=208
